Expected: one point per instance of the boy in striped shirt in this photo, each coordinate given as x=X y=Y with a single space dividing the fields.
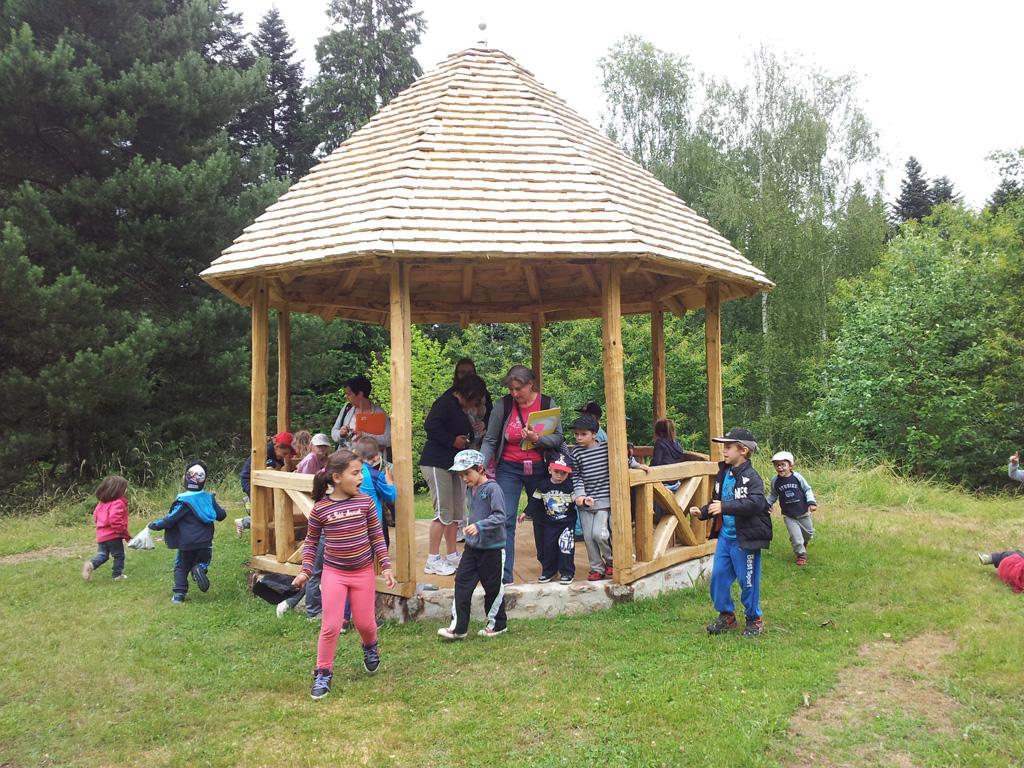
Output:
x=592 y=493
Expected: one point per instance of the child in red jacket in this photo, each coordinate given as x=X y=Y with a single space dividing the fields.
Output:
x=111 y=517
x=1009 y=565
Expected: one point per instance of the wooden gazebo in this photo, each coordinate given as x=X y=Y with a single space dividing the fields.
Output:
x=478 y=196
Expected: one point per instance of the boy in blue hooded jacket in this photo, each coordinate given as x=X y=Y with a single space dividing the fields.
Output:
x=189 y=527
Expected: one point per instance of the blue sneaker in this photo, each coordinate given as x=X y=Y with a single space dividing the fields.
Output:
x=321 y=683
x=200 y=578
x=371 y=658
x=177 y=598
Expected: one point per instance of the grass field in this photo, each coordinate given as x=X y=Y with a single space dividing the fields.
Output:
x=893 y=647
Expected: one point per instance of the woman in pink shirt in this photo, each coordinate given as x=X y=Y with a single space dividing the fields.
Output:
x=111 y=518
x=517 y=467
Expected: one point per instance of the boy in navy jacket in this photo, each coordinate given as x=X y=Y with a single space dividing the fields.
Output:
x=189 y=529
x=738 y=502
x=797 y=501
x=553 y=513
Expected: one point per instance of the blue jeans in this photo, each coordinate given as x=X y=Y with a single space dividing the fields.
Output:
x=733 y=563
x=510 y=478
x=314 y=600
x=110 y=549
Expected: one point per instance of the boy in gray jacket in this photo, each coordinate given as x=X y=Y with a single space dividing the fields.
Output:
x=483 y=558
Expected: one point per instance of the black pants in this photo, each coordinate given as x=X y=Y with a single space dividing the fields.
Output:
x=556 y=545
x=484 y=567
x=110 y=549
x=186 y=560
x=997 y=557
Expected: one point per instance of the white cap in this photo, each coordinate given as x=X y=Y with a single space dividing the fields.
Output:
x=321 y=439
x=784 y=456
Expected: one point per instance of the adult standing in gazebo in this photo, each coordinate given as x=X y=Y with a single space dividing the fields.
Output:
x=517 y=467
x=345 y=430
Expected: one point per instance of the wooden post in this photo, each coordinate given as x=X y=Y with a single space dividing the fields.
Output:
x=260 y=497
x=713 y=348
x=658 y=362
x=615 y=409
x=644 y=522
x=400 y=320
x=535 y=344
x=284 y=526
x=284 y=370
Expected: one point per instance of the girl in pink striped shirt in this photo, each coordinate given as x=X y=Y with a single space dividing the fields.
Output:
x=350 y=525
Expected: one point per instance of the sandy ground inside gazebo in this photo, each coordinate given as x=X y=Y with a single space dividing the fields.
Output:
x=526 y=570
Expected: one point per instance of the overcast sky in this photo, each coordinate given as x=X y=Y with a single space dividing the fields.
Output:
x=938 y=81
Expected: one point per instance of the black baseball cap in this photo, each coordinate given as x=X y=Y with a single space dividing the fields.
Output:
x=738 y=435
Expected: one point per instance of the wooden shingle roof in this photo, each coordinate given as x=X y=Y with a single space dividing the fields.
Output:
x=478 y=163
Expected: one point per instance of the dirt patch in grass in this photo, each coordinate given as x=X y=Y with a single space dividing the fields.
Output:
x=890 y=682
x=47 y=553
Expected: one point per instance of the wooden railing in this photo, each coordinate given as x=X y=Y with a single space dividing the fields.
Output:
x=676 y=537
x=279 y=532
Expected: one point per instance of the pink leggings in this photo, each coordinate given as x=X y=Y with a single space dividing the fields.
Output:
x=360 y=587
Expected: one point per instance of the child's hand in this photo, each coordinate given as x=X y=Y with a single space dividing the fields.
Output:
x=812 y=508
x=715 y=508
x=584 y=501
x=300 y=581
x=472 y=530
x=522 y=516
x=643 y=467
x=389 y=577
x=695 y=511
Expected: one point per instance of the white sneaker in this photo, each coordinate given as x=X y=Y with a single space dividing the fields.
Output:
x=282 y=609
x=447 y=633
x=438 y=566
x=488 y=632
x=454 y=558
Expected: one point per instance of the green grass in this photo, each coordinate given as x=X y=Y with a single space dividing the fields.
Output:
x=100 y=673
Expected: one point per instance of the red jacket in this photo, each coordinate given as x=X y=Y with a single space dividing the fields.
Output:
x=1011 y=570
x=112 y=520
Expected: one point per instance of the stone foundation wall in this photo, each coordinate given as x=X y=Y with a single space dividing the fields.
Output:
x=537 y=601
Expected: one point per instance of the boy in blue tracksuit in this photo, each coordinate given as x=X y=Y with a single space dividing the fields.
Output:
x=189 y=527
x=744 y=529
x=797 y=501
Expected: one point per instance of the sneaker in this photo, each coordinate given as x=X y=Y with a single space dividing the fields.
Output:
x=371 y=658
x=438 y=566
x=595 y=576
x=177 y=598
x=282 y=609
x=984 y=558
x=801 y=559
x=454 y=558
x=121 y=577
x=565 y=580
x=345 y=624
x=321 y=683
x=87 y=570
x=200 y=578
x=754 y=628
x=609 y=571
x=488 y=632
x=724 y=623
x=542 y=579
x=239 y=527
x=447 y=633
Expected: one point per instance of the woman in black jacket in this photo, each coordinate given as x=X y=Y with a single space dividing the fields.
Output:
x=449 y=430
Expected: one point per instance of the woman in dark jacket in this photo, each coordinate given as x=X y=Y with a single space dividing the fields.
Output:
x=449 y=431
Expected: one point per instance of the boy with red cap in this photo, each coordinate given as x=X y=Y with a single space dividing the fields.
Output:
x=553 y=513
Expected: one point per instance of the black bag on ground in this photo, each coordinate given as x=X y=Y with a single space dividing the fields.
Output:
x=274 y=587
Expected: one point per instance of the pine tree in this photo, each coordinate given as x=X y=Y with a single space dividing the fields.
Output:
x=364 y=63
x=1007 y=191
x=278 y=117
x=915 y=200
x=942 y=191
x=117 y=186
